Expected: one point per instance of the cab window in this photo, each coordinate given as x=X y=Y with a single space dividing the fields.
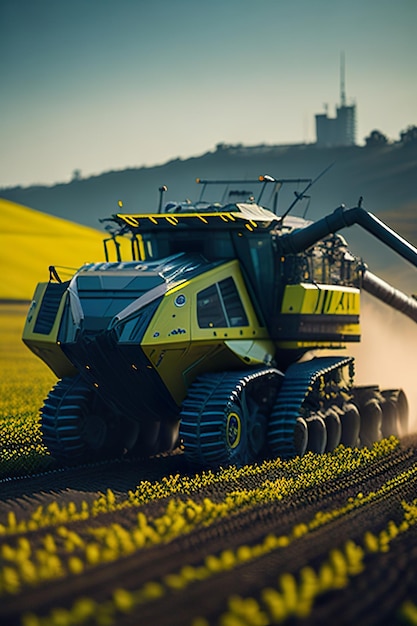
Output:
x=219 y=306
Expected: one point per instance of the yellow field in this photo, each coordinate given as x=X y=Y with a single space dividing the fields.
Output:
x=24 y=383
x=31 y=241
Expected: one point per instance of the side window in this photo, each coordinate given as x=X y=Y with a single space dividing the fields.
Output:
x=210 y=312
x=219 y=306
x=234 y=309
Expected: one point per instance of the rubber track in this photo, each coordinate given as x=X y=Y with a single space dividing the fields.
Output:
x=210 y=395
x=298 y=382
x=61 y=418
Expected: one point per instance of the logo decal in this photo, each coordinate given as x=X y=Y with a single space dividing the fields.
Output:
x=177 y=331
x=233 y=430
x=180 y=300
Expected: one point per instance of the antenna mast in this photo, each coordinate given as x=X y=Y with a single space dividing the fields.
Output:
x=342 y=80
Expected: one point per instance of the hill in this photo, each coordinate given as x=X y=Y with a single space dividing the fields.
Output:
x=30 y=241
x=384 y=176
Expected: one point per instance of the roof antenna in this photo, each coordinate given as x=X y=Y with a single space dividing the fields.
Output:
x=301 y=196
x=265 y=179
x=161 y=190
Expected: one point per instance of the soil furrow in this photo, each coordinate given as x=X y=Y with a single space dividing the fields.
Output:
x=249 y=526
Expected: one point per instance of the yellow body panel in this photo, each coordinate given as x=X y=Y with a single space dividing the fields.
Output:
x=180 y=350
x=46 y=347
x=321 y=299
x=311 y=299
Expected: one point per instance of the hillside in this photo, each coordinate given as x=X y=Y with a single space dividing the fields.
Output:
x=30 y=241
x=384 y=176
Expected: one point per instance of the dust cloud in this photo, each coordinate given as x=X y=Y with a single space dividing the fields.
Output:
x=387 y=353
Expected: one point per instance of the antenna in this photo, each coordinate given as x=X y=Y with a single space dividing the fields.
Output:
x=342 y=80
x=300 y=196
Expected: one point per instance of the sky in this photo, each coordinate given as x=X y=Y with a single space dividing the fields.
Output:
x=102 y=85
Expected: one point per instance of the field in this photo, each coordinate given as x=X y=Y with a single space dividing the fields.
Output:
x=31 y=240
x=317 y=540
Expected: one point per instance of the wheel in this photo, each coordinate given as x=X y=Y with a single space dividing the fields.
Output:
x=403 y=412
x=224 y=418
x=389 y=425
x=394 y=412
x=317 y=434
x=298 y=419
x=368 y=399
x=300 y=436
x=371 y=421
x=333 y=429
x=77 y=426
x=351 y=422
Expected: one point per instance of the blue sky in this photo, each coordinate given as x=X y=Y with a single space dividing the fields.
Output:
x=100 y=85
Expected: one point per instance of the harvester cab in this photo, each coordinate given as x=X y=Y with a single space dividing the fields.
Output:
x=207 y=336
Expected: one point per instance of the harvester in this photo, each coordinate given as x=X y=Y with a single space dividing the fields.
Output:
x=223 y=335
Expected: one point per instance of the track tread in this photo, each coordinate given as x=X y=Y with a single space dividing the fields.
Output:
x=61 y=417
x=210 y=395
x=297 y=383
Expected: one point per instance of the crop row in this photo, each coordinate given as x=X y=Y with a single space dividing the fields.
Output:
x=285 y=476
x=294 y=595
x=66 y=552
x=290 y=477
x=279 y=480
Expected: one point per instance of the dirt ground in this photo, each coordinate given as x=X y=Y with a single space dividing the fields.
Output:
x=202 y=576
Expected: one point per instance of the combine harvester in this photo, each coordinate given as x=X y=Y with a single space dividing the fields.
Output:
x=208 y=336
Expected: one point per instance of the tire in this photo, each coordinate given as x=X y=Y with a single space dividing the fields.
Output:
x=351 y=423
x=224 y=418
x=317 y=434
x=394 y=412
x=371 y=422
x=77 y=426
x=333 y=429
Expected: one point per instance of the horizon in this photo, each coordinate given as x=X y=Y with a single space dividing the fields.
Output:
x=94 y=87
x=78 y=176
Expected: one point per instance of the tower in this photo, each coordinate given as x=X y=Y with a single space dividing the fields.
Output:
x=339 y=130
x=342 y=80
